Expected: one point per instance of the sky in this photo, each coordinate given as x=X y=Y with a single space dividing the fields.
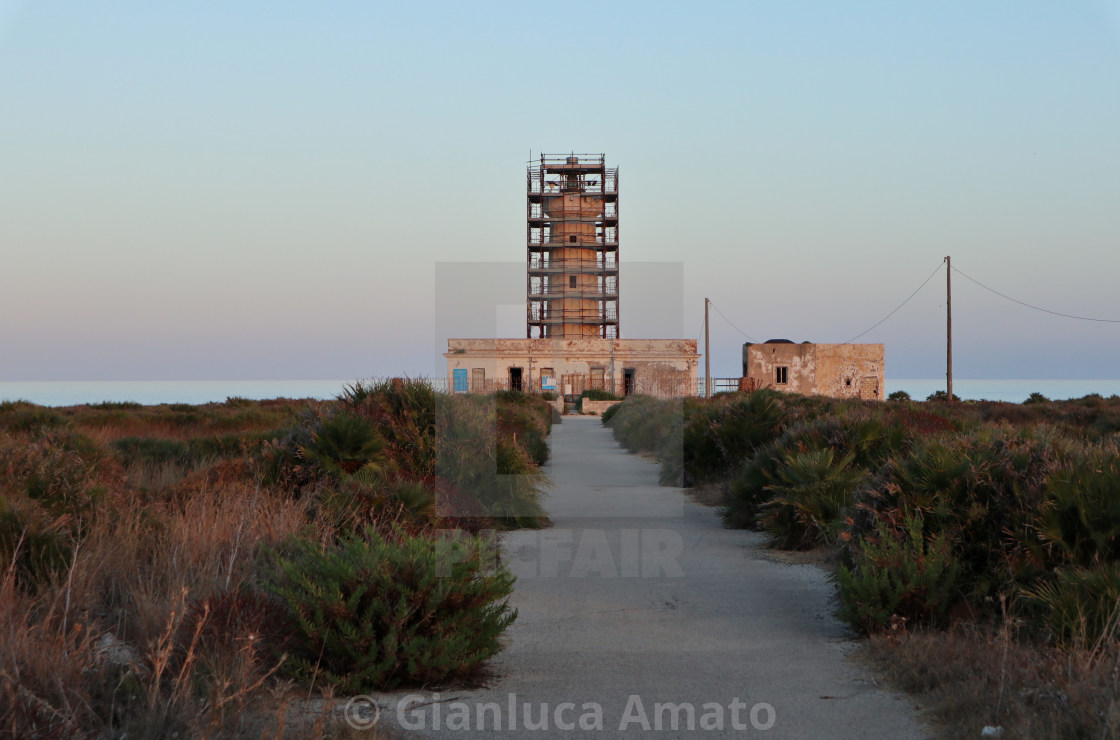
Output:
x=282 y=190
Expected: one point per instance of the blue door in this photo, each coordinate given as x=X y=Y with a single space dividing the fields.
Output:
x=460 y=375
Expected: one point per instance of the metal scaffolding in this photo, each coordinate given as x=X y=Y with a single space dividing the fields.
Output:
x=572 y=243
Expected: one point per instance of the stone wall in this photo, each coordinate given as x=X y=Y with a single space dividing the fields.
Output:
x=835 y=370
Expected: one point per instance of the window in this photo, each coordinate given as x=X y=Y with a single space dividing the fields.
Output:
x=597 y=378
x=571 y=281
x=781 y=375
x=478 y=379
x=573 y=239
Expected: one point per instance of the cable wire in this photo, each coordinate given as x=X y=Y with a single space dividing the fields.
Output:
x=897 y=308
x=748 y=336
x=1036 y=308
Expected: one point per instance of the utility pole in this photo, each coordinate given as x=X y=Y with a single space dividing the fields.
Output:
x=949 y=328
x=707 y=355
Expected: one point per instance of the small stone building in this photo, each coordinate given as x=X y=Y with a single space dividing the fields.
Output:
x=835 y=370
x=569 y=366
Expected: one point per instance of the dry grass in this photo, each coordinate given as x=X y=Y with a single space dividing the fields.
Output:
x=140 y=628
x=101 y=645
x=968 y=678
x=98 y=647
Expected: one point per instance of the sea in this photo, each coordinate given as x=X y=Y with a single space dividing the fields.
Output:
x=151 y=392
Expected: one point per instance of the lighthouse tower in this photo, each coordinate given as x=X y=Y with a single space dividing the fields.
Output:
x=572 y=240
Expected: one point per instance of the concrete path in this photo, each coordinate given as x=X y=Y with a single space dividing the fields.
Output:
x=638 y=609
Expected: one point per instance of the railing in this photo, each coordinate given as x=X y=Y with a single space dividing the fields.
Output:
x=559 y=241
x=546 y=263
x=576 y=294
x=590 y=179
x=536 y=212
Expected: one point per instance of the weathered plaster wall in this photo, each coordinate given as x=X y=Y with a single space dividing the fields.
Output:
x=661 y=367
x=836 y=370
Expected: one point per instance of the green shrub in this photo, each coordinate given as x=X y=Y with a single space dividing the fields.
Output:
x=644 y=423
x=39 y=549
x=721 y=434
x=1036 y=397
x=982 y=493
x=898 y=572
x=598 y=394
x=490 y=473
x=866 y=434
x=185 y=453
x=345 y=444
x=609 y=414
x=23 y=416
x=1081 y=514
x=1079 y=605
x=403 y=410
x=526 y=420
x=377 y=613
x=898 y=396
x=116 y=406
x=813 y=490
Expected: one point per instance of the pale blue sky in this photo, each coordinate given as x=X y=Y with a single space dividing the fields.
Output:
x=232 y=190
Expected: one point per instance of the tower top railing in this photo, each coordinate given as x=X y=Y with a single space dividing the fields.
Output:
x=560 y=173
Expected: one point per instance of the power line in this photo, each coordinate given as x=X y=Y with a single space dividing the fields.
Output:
x=898 y=307
x=748 y=336
x=1036 y=308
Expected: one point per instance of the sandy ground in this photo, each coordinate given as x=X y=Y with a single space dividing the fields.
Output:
x=641 y=615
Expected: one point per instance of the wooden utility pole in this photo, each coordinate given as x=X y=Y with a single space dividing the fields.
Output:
x=707 y=355
x=949 y=328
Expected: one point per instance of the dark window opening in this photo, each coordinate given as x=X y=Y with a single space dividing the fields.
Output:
x=571 y=281
x=627 y=382
x=848 y=382
x=573 y=239
x=781 y=375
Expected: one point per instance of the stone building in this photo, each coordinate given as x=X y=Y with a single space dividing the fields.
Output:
x=657 y=367
x=836 y=370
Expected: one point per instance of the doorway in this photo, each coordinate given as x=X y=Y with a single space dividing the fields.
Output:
x=627 y=381
x=515 y=378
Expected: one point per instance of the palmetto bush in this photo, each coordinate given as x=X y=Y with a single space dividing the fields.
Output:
x=862 y=436
x=377 y=612
x=1081 y=514
x=1079 y=606
x=345 y=444
x=811 y=493
x=720 y=433
x=981 y=494
x=398 y=443
x=404 y=412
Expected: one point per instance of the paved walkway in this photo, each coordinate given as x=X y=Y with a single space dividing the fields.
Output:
x=638 y=608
